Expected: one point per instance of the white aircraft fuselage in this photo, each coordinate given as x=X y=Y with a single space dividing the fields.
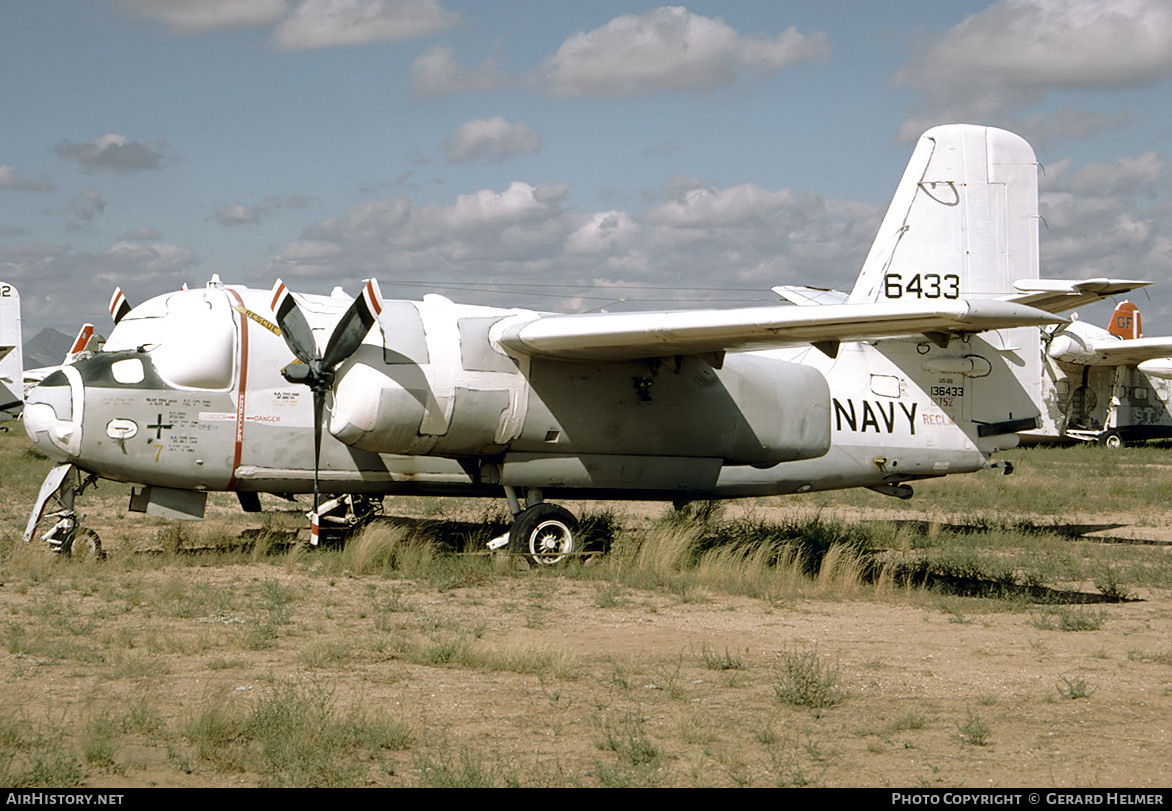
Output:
x=188 y=395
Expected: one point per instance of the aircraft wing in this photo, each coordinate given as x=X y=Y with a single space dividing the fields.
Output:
x=1061 y=295
x=1131 y=352
x=629 y=336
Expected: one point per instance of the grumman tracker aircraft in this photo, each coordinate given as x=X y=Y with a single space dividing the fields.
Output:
x=927 y=368
x=11 y=363
x=1110 y=386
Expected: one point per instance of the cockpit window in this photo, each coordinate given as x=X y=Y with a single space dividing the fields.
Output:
x=128 y=372
x=190 y=336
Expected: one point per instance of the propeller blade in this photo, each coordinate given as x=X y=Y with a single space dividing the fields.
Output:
x=354 y=325
x=294 y=328
x=318 y=372
x=119 y=306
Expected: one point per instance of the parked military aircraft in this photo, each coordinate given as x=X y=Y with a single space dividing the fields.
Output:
x=927 y=368
x=11 y=363
x=1109 y=386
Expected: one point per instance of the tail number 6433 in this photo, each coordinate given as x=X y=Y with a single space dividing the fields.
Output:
x=927 y=285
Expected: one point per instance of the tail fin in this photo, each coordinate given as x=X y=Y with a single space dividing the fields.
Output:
x=82 y=343
x=11 y=356
x=963 y=222
x=1125 y=322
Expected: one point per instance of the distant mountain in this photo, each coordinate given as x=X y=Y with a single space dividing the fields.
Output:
x=46 y=348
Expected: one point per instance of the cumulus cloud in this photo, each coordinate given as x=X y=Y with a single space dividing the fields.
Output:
x=1016 y=51
x=604 y=232
x=115 y=153
x=142 y=233
x=1107 y=219
x=437 y=72
x=521 y=225
x=742 y=236
x=705 y=206
x=330 y=23
x=308 y=25
x=62 y=288
x=12 y=179
x=88 y=204
x=670 y=49
x=185 y=17
x=1066 y=122
x=235 y=214
x=136 y=261
x=1122 y=176
x=490 y=139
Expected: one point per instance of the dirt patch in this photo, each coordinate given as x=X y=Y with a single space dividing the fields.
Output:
x=569 y=680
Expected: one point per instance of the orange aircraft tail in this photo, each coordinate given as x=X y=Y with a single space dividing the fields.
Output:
x=1125 y=322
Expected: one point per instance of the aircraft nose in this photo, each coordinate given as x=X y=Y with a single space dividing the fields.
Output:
x=52 y=414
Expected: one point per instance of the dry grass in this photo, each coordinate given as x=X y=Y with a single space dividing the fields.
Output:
x=193 y=657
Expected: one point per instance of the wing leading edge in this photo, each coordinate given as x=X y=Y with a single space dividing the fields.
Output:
x=1051 y=295
x=629 y=336
x=1130 y=352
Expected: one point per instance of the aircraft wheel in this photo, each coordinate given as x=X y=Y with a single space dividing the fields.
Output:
x=545 y=534
x=85 y=545
x=1111 y=439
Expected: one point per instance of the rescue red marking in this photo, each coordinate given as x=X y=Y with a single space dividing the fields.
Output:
x=243 y=388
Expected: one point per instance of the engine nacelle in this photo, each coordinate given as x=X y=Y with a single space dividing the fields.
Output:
x=754 y=411
x=376 y=412
x=1068 y=347
x=1157 y=367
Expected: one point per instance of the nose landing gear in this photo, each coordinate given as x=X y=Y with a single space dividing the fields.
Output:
x=55 y=503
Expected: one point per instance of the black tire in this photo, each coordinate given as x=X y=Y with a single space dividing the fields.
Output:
x=84 y=545
x=1111 y=439
x=545 y=534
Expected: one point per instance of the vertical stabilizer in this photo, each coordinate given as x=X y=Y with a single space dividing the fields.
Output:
x=83 y=344
x=11 y=357
x=963 y=222
x=1125 y=322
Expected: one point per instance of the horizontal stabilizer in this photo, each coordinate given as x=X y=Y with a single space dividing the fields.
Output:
x=1062 y=295
x=806 y=296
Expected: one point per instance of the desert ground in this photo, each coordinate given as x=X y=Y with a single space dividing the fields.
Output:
x=225 y=654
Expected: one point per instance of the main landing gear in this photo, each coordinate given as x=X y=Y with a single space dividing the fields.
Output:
x=1110 y=439
x=545 y=534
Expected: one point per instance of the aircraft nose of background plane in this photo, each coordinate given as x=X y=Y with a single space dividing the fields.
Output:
x=52 y=414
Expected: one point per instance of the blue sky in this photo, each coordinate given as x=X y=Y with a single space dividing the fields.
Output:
x=553 y=155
